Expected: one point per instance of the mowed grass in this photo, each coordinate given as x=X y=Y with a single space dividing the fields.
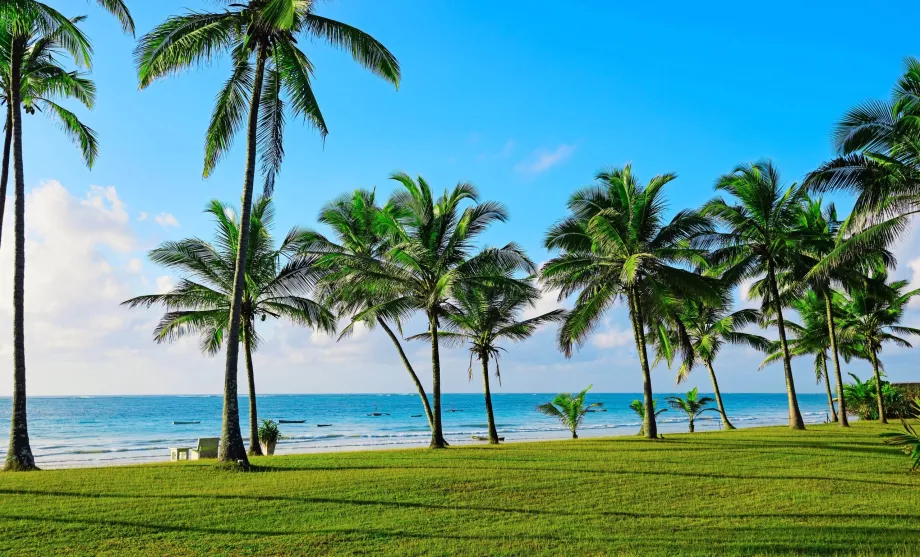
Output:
x=766 y=491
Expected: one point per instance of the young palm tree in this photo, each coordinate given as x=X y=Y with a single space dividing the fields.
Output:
x=356 y=221
x=277 y=283
x=638 y=407
x=693 y=405
x=262 y=37
x=761 y=237
x=32 y=28
x=872 y=314
x=615 y=244
x=568 y=409
x=430 y=258
x=483 y=315
x=43 y=83
x=707 y=327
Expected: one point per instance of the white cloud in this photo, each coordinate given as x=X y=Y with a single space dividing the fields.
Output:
x=142 y=216
x=613 y=337
x=542 y=159
x=166 y=220
x=230 y=213
x=135 y=265
x=166 y=283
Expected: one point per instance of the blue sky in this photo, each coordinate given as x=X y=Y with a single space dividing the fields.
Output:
x=527 y=100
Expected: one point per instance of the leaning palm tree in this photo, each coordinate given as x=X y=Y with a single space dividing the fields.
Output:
x=43 y=83
x=356 y=220
x=615 y=244
x=568 y=409
x=262 y=38
x=707 y=327
x=278 y=282
x=431 y=256
x=693 y=405
x=872 y=316
x=760 y=237
x=483 y=315
x=638 y=407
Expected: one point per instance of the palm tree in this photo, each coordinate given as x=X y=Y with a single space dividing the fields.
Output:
x=760 y=238
x=483 y=315
x=30 y=28
x=262 y=38
x=812 y=339
x=356 y=220
x=277 y=282
x=568 y=409
x=872 y=314
x=615 y=244
x=430 y=258
x=693 y=405
x=638 y=407
x=43 y=82
x=707 y=327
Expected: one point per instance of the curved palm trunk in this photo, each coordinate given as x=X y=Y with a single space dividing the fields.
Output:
x=878 y=387
x=827 y=386
x=19 y=455
x=493 y=433
x=232 y=448
x=5 y=170
x=795 y=416
x=832 y=332
x=649 y=427
x=715 y=389
x=255 y=449
x=415 y=379
x=437 y=437
x=574 y=435
x=692 y=427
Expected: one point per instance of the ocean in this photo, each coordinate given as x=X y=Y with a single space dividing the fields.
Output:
x=105 y=430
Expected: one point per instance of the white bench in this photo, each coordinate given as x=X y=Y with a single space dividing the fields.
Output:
x=207 y=448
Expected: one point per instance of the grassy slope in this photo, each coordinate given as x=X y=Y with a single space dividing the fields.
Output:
x=748 y=492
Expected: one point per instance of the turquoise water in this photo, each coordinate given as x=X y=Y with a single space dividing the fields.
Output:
x=81 y=431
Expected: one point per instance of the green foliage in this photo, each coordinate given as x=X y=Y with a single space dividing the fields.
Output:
x=568 y=409
x=269 y=432
x=861 y=401
x=692 y=405
x=639 y=408
x=909 y=441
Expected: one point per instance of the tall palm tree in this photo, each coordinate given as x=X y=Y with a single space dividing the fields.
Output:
x=43 y=83
x=356 y=220
x=812 y=339
x=278 y=282
x=692 y=405
x=707 y=327
x=30 y=26
x=872 y=317
x=568 y=409
x=262 y=38
x=760 y=237
x=483 y=315
x=431 y=257
x=616 y=244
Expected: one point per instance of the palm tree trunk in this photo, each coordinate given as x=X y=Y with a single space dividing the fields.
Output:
x=795 y=416
x=19 y=455
x=692 y=429
x=649 y=427
x=827 y=386
x=715 y=389
x=232 y=448
x=415 y=379
x=878 y=387
x=574 y=435
x=493 y=433
x=437 y=437
x=5 y=170
x=832 y=332
x=255 y=449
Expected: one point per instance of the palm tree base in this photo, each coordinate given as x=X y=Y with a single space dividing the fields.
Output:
x=14 y=465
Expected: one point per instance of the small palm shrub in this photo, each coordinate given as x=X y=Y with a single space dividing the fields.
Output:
x=568 y=409
x=861 y=401
x=639 y=408
x=268 y=436
x=693 y=405
x=909 y=441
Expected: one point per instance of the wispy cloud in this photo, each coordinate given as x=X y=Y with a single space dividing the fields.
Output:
x=504 y=153
x=542 y=160
x=166 y=220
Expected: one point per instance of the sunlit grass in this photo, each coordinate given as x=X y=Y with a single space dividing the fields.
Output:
x=762 y=491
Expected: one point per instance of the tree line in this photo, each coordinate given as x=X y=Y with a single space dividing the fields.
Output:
x=417 y=253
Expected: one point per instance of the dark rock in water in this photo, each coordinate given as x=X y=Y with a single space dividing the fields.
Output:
x=323 y=425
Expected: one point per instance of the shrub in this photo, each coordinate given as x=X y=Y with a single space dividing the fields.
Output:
x=861 y=399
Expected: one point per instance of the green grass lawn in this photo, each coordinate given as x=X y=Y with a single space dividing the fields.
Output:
x=767 y=491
